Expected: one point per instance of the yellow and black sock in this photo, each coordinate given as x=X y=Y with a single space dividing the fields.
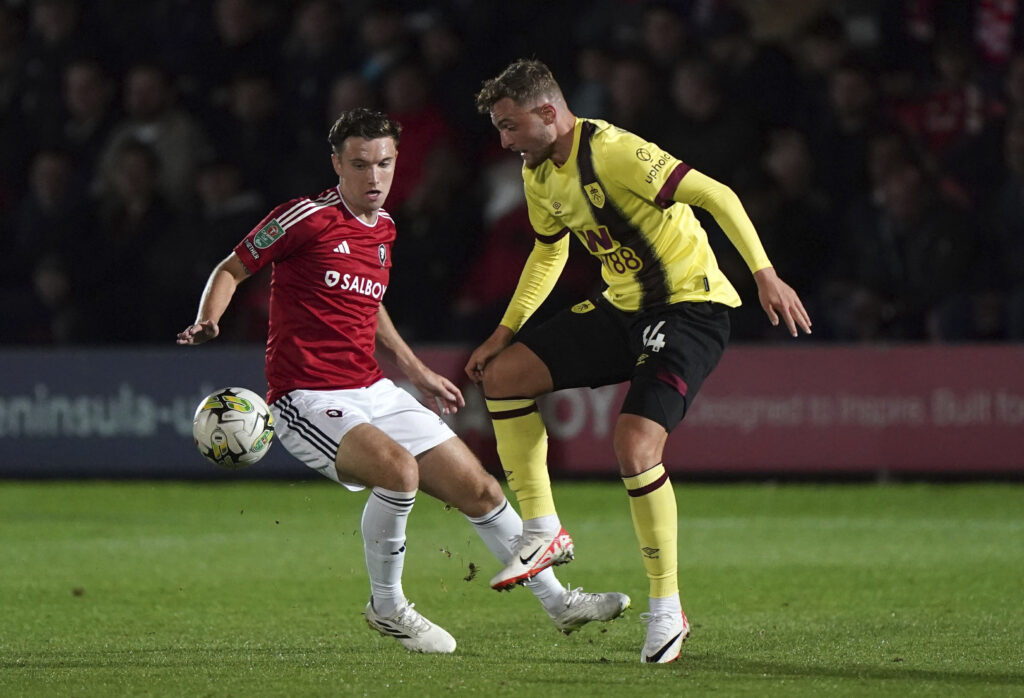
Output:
x=652 y=502
x=523 y=450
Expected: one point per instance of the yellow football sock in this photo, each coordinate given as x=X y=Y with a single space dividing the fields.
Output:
x=523 y=450
x=652 y=502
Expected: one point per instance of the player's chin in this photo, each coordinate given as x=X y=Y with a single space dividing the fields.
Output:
x=374 y=199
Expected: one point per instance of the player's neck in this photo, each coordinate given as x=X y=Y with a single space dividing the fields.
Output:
x=564 y=140
x=366 y=216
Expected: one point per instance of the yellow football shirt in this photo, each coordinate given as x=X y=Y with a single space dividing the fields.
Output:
x=627 y=201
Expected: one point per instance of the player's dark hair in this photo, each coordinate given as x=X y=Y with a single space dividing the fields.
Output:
x=523 y=82
x=362 y=123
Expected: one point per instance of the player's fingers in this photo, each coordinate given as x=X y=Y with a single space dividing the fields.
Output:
x=450 y=392
x=787 y=316
x=799 y=314
x=447 y=401
x=804 y=319
x=477 y=373
x=459 y=400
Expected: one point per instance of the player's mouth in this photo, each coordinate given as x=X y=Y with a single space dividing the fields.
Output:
x=529 y=159
x=373 y=194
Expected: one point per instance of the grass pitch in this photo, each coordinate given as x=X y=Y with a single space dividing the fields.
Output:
x=257 y=589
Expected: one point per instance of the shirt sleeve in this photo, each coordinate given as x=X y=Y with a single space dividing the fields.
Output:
x=720 y=201
x=650 y=172
x=541 y=271
x=272 y=240
x=641 y=167
x=543 y=266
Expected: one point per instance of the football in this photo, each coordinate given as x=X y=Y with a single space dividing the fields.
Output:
x=233 y=427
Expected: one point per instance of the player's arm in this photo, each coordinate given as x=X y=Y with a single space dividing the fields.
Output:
x=776 y=296
x=541 y=271
x=434 y=385
x=220 y=288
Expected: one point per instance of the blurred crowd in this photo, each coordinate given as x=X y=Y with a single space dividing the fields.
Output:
x=878 y=146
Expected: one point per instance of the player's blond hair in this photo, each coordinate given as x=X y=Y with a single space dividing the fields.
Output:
x=524 y=82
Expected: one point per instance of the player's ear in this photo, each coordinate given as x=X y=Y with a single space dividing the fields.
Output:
x=336 y=161
x=548 y=113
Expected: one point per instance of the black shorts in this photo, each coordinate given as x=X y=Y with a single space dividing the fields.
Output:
x=665 y=354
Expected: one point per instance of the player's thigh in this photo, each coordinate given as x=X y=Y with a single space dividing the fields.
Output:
x=316 y=425
x=676 y=350
x=403 y=418
x=311 y=424
x=517 y=372
x=370 y=457
x=586 y=345
x=451 y=473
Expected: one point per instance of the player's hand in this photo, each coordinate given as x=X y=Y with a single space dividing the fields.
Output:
x=483 y=354
x=198 y=333
x=446 y=396
x=778 y=298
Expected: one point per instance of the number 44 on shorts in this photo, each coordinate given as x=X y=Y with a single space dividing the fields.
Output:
x=653 y=339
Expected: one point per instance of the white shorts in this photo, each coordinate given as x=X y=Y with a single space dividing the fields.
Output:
x=311 y=423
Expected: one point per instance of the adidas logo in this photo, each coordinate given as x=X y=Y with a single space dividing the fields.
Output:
x=343 y=248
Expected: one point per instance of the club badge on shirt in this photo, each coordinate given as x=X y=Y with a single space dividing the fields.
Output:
x=382 y=253
x=596 y=194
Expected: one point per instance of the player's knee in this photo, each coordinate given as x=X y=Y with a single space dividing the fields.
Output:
x=490 y=493
x=480 y=494
x=400 y=471
x=636 y=450
x=636 y=458
x=488 y=497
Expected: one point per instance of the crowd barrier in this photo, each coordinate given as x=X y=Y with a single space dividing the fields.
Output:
x=766 y=411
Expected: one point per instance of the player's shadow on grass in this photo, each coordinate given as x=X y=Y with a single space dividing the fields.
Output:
x=898 y=671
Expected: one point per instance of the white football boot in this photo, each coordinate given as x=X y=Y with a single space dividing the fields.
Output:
x=581 y=608
x=536 y=553
x=411 y=629
x=666 y=633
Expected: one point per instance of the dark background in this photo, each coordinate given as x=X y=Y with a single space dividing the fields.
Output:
x=877 y=145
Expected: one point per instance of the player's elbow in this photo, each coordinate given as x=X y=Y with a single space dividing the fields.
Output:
x=233 y=267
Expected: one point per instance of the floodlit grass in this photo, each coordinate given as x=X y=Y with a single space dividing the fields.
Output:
x=253 y=589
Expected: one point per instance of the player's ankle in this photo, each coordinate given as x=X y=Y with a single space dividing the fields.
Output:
x=541 y=524
x=667 y=604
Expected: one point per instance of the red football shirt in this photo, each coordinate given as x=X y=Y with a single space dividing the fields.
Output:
x=330 y=271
